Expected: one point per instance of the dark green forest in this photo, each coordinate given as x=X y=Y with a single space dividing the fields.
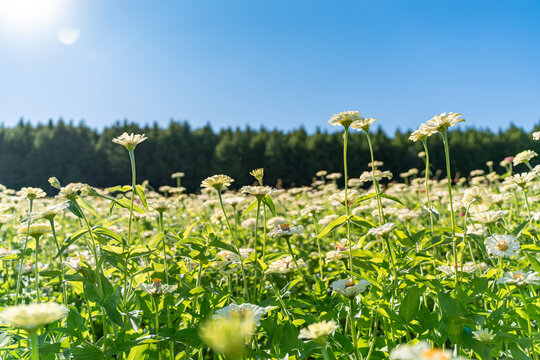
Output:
x=30 y=154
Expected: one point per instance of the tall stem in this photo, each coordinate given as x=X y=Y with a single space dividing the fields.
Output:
x=345 y=139
x=454 y=240
x=246 y=293
x=35 y=345
x=375 y=181
x=353 y=328
x=21 y=263
x=53 y=230
x=426 y=183
x=36 y=269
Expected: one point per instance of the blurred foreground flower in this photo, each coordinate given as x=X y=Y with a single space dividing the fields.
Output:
x=228 y=336
x=33 y=316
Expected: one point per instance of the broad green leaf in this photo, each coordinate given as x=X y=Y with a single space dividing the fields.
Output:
x=333 y=225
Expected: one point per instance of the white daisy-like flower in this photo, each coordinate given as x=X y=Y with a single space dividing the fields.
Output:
x=468 y=267
x=284 y=265
x=520 y=278
x=348 y=288
x=318 y=331
x=363 y=124
x=33 y=316
x=286 y=230
x=524 y=157
x=156 y=288
x=536 y=135
x=345 y=118
x=379 y=175
x=484 y=335
x=477 y=198
x=488 y=217
x=245 y=311
x=382 y=230
x=502 y=245
x=443 y=121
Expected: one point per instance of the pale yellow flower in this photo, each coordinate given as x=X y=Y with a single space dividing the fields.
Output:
x=129 y=141
x=31 y=193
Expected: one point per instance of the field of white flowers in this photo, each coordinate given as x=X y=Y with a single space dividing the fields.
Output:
x=355 y=266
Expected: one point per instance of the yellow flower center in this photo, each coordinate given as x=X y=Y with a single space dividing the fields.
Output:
x=502 y=245
x=519 y=277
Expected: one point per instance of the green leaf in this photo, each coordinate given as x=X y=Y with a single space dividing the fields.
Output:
x=190 y=227
x=410 y=304
x=333 y=225
x=361 y=222
x=70 y=240
x=222 y=245
x=252 y=206
x=393 y=198
x=517 y=231
x=142 y=196
x=364 y=198
x=268 y=201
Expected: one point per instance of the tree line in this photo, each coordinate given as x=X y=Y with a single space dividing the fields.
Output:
x=30 y=154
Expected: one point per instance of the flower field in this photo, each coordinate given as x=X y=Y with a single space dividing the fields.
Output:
x=356 y=266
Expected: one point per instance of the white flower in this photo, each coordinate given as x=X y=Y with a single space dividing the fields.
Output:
x=286 y=230
x=345 y=118
x=536 y=135
x=484 y=335
x=363 y=124
x=257 y=191
x=129 y=141
x=348 y=288
x=381 y=230
x=520 y=278
x=284 y=265
x=245 y=311
x=443 y=121
x=488 y=217
x=468 y=267
x=156 y=288
x=524 y=157
x=33 y=316
x=419 y=351
x=477 y=198
x=318 y=331
x=379 y=175
x=502 y=245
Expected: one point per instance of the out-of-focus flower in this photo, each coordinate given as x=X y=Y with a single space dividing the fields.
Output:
x=31 y=193
x=520 y=278
x=33 y=316
x=348 y=288
x=156 y=288
x=524 y=157
x=319 y=332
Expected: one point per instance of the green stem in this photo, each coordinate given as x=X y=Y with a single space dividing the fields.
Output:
x=246 y=292
x=426 y=183
x=353 y=328
x=347 y=211
x=21 y=263
x=35 y=345
x=454 y=240
x=36 y=269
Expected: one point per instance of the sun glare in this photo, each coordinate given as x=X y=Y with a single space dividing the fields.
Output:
x=29 y=16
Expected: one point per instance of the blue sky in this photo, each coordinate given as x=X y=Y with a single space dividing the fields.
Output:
x=279 y=63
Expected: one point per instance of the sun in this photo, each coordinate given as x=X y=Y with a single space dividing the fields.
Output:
x=29 y=16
